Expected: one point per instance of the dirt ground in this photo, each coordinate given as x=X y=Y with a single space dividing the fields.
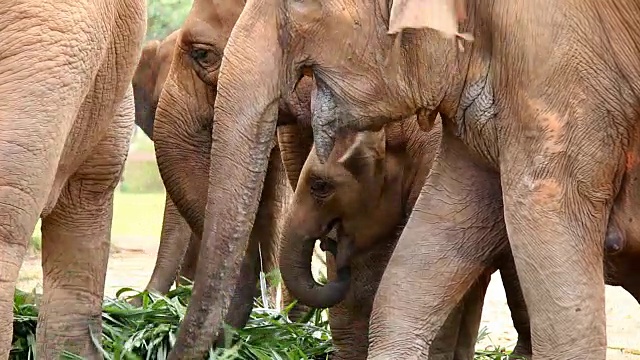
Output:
x=132 y=262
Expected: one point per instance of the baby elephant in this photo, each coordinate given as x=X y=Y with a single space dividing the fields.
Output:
x=357 y=203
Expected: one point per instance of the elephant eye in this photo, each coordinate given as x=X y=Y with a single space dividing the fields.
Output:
x=204 y=56
x=199 y=54
x=321 y=188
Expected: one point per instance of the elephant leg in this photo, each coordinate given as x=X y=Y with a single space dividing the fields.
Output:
x=453 y=234
x=37 y=112
x=174 y=240
x=473 y=302
x=557 y=202
x=349 y=319
x=456 y=339
x=517 y=307
x=76 y=234
x=187 y=269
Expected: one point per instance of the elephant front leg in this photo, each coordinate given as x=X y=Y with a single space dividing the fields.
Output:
x=557 y=198
x=454 y=231
x=75 y=250
x=19 y=217
x=187 y=269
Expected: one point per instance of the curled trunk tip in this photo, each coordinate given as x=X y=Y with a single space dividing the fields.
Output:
x=297 y=275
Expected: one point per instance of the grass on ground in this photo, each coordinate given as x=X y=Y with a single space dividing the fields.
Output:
x=149 y=331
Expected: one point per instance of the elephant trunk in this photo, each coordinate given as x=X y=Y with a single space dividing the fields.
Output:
x=182 y=151
x=295 y=267
x=242 y=138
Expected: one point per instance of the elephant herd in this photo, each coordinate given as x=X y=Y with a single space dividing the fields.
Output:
x=422 y=163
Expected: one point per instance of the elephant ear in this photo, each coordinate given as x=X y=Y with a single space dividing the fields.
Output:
x=368 y=148
x=440 y=15
x=144 y=83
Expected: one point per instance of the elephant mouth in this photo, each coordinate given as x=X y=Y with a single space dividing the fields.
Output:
x=336 y=241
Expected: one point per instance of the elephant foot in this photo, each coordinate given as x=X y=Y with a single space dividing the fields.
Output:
x=522 y=351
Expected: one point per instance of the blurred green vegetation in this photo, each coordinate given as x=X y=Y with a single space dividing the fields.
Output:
x=141 y=173
x=165 y=16
x=134 y=216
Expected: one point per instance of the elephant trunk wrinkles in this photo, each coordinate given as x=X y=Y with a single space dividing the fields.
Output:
x=242 y=139
x=295 y=267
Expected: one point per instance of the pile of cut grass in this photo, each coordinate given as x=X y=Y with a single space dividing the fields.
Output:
x=149 y=331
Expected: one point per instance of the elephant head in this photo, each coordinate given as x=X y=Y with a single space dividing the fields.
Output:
x=150 y=75
x=357 y=193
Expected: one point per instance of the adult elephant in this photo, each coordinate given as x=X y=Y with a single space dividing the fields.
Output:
x=349 y=321
x=533 y=131
x=179 y=246
x=66 y=117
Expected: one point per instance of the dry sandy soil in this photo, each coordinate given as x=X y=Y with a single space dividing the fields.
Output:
x=131 y=265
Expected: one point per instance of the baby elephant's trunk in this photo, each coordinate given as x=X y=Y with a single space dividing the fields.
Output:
x=295 y=267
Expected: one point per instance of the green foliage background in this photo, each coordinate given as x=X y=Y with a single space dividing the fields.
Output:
x=165 y=16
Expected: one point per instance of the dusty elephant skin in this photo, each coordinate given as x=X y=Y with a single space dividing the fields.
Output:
x=179 y=246
x=534 y=139
x=66 y=118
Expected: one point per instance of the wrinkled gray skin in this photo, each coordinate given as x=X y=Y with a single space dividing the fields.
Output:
x=366 y=190
x=66 y=116
x=179 y=246
x=539 y=137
